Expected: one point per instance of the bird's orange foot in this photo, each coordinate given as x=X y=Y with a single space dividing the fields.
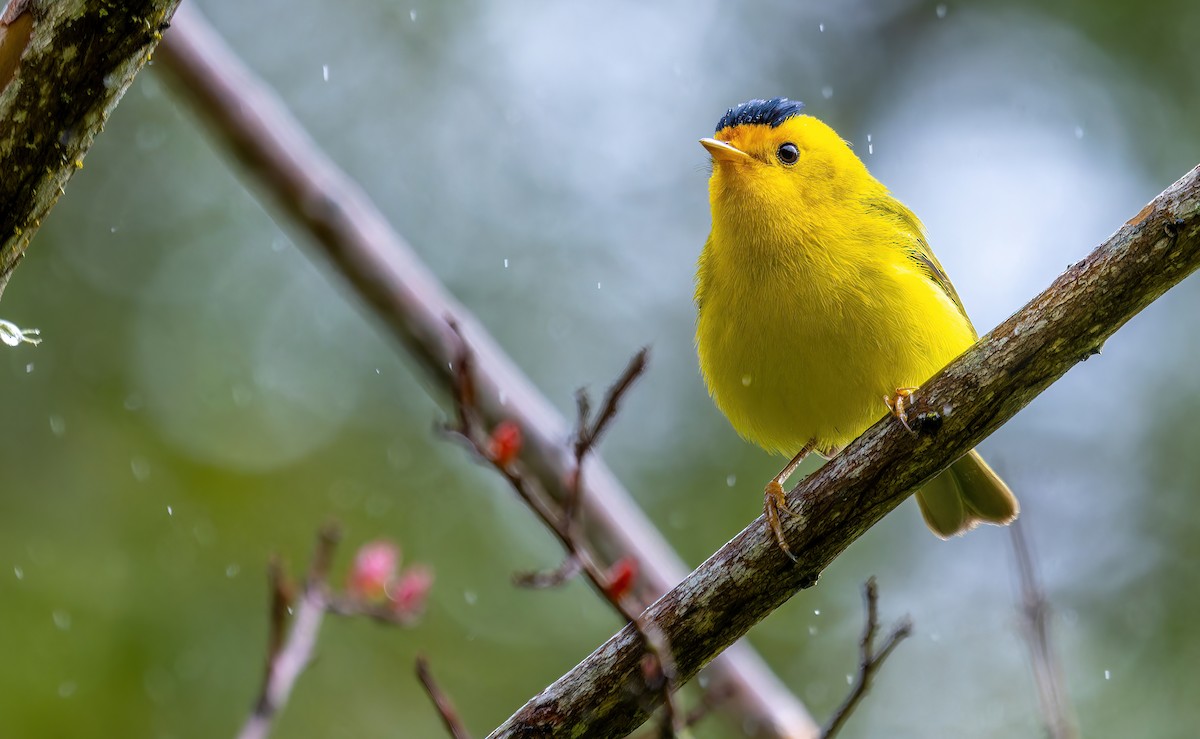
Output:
x=775 y=501
x=896 y=405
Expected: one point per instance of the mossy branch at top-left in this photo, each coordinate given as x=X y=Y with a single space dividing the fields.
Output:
x=64 y=64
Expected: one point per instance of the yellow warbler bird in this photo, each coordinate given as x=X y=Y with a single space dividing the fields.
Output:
x=819 y=301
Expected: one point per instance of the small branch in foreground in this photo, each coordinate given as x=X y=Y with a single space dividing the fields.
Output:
x=288 y=658
x=870 y=659
x=501 y=449
x=1053 y=699
x=441 y=701
x=375 y=590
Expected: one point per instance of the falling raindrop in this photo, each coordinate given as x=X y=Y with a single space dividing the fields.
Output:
x=941 y=10
x=140 y=467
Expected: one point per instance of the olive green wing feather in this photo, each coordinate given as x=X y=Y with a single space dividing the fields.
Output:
x=918 y=247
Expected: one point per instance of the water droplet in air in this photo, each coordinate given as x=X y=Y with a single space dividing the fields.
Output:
x=325 y=72
x=470 y=597
x=1107 y=675
x=58 y=426
x=62 y=620
x=232 y=570
x=170 y=511
x=1079 y=132
x=20 y=573
x=826 y=92
x=140 y=467
x=412 y=15
x=746 y=380
x=506 y=264
x=731 y=480
x=66 y=690
x=821 y=27
x=941 y=10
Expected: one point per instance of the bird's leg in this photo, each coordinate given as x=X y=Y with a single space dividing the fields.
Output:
x=775 y=501
x=896 y=405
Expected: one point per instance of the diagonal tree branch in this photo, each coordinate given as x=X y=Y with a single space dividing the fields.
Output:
x=382 y=268
x=63 y=67
x=750 y=576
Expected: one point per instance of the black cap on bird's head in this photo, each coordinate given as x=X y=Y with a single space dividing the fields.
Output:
x=771 y=113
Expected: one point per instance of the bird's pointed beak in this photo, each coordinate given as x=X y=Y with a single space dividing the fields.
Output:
x=723 y=152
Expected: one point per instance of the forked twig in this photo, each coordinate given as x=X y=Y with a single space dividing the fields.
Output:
x=870 y=659
x=287 y=657
x=659 y=672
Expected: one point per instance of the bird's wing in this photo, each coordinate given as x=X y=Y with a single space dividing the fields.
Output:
x=917 y=246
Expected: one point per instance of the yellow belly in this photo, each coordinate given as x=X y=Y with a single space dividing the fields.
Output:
x=794 y=360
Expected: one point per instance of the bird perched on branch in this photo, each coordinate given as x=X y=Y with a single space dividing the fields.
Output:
x=819 y=301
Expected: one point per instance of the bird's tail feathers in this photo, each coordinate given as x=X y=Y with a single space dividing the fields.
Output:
x=966 y=494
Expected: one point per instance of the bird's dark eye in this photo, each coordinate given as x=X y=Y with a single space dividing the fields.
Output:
x=788 y=153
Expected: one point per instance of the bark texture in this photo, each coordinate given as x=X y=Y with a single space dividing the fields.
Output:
x=67 y=63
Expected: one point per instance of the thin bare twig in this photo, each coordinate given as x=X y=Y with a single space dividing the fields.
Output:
x=588 y=432
x=870 y=659
x=543 y=579
x=384 y=613
x=1054 y=701
x=288 y=658
x=383 y=270
x=563 y=521
x=441 y=701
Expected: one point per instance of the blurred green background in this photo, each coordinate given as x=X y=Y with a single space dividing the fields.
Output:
x=208 y=393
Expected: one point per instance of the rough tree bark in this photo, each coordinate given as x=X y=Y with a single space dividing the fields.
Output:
x=64 y=64
x=750 y=577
